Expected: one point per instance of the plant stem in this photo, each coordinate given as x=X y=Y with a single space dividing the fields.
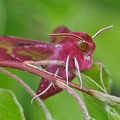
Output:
x=75 y=95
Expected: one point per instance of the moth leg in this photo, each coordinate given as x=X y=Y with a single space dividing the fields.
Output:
x=78 y=71
x=56 y=75
x=42 y=92
x=37 y=65
x=32 y=64
x=101 y=78
x=51 y=84
x=66 y=69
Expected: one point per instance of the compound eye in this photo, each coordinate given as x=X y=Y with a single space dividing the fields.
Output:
x=83 y=46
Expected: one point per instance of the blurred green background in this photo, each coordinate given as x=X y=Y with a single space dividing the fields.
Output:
x=35 y=18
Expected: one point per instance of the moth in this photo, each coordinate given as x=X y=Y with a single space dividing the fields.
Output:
x=73 y=48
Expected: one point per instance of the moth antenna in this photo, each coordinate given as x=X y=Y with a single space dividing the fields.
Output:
x=78 y=71
x=66 y=69
x=67 y=35
x=102 y=30
x=42 y=92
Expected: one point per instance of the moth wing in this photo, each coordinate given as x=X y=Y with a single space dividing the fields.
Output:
x=15 y=48
x=60 y=29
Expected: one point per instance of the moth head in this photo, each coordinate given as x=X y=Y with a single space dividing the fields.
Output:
x=84 y=41
x=86 y=44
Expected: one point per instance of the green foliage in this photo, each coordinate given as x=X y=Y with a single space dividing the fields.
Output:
x=113 y=112
x=101 y=105
x=10 y=109
x=32 y=19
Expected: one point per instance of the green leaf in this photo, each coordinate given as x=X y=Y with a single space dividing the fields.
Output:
x=113 y=112
x=95 y=107
x=94 y=75
x=10 y=109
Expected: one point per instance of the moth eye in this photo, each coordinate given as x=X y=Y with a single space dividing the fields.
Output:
x=82 y=46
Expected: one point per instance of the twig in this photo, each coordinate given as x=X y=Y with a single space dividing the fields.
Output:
x=53 y=79
x=22 y=66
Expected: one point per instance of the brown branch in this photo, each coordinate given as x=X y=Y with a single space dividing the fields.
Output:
x=22 y=66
